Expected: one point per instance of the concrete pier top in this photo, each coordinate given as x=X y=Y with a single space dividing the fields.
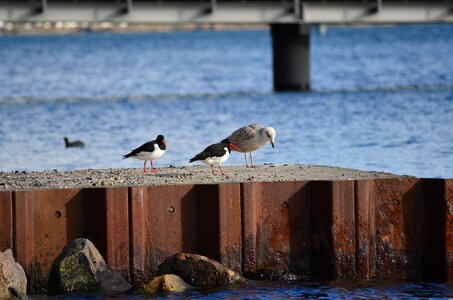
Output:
x=54 y=179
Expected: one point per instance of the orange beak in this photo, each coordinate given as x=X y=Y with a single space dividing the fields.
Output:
x=165 y=144
x=234 y=146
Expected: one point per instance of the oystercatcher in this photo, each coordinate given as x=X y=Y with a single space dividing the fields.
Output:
x=251 y=137
x=215 y=154
x=149 y=151
x=69 y=144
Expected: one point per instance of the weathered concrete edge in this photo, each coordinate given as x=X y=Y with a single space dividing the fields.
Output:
x=103 y=178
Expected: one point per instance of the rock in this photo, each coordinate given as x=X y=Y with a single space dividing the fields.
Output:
x=164 y=283
x=13 y=281
x=80 y=268
x=199 y=270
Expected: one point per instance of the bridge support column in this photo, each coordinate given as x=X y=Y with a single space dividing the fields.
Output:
x=291 y=56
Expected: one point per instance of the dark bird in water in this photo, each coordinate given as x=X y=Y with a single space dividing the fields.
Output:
x=69 y=144
x=215 y=154
x=149 y=151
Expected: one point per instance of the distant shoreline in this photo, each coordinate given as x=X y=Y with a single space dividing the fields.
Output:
x=73 y=27
x=69 y=27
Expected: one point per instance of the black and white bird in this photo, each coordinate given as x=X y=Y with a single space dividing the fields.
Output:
x=215 y=154
x=251 y=137
x=149 y=151
x=69 y=144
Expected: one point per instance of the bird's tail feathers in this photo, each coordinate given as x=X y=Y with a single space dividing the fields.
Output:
x=193 y=159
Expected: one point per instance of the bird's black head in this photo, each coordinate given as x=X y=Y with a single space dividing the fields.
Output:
x=229 y=144
x=161 y=142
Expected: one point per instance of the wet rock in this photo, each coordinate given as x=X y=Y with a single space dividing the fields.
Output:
x=13 y=282
x=80 y=268
x=164 y=283
x=199 y=270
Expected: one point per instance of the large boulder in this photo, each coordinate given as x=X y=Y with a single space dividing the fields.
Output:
x=13 y=281
x=164 y=283
x=199 y=270
x=80 y=268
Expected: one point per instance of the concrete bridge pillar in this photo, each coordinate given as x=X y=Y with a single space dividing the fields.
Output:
x=291 y=56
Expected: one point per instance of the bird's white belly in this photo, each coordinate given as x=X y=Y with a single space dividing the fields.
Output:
x=217 y=160
x=150 y=155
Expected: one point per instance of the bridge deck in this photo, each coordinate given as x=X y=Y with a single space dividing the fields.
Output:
x=326 y=12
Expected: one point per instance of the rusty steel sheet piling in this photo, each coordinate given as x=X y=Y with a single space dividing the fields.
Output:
x=41 y=230
x=365 y=211
x=447 y=213
x=402 y=229
x=46 y=220
x=276 y=228
x=395 y=228
x=399 y=237
x=203 y=219
x=6 y=220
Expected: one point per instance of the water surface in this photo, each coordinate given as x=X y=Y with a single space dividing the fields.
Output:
x=337 y=289
x=382 y=98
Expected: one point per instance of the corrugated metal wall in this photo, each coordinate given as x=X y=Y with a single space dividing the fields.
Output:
x=399 y=228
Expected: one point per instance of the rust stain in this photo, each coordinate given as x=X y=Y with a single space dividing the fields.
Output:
x=117 y=230
x=385 y=239
x=156 y=232
x=344 y=227
x=449 y=228
x=400 y=219
x=44 y=226
x=365 y=228
x=277 y=227
x=230 y=226
x=138 y=244
x=250 y=194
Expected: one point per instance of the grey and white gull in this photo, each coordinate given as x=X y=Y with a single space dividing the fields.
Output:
x=251 y=137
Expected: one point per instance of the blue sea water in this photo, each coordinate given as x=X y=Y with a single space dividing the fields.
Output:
x=381 y=99
x=263 y=290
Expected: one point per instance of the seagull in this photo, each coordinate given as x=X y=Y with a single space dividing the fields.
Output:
x=251 y=137
x=149 y=151
x=69 y=144
x=215 y=154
